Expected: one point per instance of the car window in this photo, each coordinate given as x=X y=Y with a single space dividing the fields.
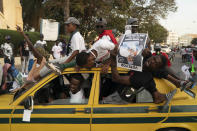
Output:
x=26 y=88
x=68 y=89
x=115 y=93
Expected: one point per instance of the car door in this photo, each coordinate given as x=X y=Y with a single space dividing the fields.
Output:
x=5 y=112
x=61 y=117
x=183 y=113
x=127 y=117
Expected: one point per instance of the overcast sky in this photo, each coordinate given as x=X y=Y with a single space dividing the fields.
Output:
x=184 y=20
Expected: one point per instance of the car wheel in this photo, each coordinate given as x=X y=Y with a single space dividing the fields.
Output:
x=173 y=129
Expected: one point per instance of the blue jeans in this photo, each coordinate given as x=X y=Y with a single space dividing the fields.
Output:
x=30 y=65
x=10 y=61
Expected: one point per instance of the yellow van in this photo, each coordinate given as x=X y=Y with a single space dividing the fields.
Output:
x=94 y=115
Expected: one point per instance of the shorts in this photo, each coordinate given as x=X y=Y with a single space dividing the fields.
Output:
x=10 y=61
x=45 y=70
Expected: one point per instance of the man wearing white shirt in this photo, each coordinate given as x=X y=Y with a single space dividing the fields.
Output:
x=101 y=25
x=76 y=45
x=56 y=51
x=98 y=54
x=7 y=50
x=41 y=43
x=76 y=42
x=76 y=93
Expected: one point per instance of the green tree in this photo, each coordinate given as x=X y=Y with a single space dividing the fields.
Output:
x=156 y=32
x=115 y=11
x=194 y=41
x=32 y=13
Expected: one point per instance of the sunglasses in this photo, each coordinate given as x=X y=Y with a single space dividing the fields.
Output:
x=134 y=25
x=99 y=26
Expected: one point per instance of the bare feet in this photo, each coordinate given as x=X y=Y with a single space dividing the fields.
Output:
x=185 y=85
x=158 y=97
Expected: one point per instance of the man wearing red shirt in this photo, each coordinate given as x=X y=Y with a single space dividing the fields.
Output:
x=157 y=49
x=101 y=24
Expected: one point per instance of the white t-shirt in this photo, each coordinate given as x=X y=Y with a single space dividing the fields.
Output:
x=103 y=47
x=40 y=43
x=7 y=49
x=78 y=97
x=31 y=56
x=56 y=51
x=77 y=43
x=183 y=51
x=60 y=44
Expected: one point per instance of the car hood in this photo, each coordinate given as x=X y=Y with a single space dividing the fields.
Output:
x=6 y=99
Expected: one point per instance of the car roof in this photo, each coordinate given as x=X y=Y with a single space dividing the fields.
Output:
x=95 y=69
x=162 y=85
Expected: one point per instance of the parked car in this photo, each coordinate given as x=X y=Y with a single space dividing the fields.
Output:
x=56 y=114
x=165 y=49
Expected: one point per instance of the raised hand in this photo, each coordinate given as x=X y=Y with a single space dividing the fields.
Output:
x=146 y=52
x=114 y=53
x=19 y=28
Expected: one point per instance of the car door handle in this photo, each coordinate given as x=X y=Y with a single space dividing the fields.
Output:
x=87 y=111
x=158 y=109
x=153 y=110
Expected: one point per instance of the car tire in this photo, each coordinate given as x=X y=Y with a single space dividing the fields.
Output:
x=173 y=129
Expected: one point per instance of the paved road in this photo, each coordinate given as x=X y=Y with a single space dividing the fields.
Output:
x=177 y=64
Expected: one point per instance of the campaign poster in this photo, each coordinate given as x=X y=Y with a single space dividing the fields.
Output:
x=130 y=51
x=50 y=29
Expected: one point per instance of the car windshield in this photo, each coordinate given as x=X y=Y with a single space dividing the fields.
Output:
x=26 y=87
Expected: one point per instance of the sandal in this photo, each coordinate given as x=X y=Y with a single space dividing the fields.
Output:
x=54 y=68
x=185 y=85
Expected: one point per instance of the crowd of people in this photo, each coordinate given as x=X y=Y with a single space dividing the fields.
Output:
x=36 y=63
x=186 y=53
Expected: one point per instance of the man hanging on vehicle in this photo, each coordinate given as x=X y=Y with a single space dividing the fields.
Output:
x=99 y=54
x=142 y=79
x=76 y=45
x=157 y=49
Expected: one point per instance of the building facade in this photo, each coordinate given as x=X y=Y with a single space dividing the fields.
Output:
x=10 y=14
x=172 y=39
x=185 y=40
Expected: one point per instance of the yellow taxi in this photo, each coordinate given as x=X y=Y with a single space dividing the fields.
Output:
x=58 y=114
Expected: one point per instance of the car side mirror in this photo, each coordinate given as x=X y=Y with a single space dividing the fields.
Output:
x=28 y=103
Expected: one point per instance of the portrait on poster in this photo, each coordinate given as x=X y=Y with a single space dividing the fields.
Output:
x=130 y=51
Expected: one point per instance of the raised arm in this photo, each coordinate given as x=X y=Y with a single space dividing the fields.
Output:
x=34 y=51
x=115 y=75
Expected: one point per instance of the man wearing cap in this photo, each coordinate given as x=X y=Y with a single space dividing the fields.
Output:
x=157 y=49
x=76 y=42
x=7 y=51
x=130 y=28
x=101 y=48
x=76 y=45
x=101 y=24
